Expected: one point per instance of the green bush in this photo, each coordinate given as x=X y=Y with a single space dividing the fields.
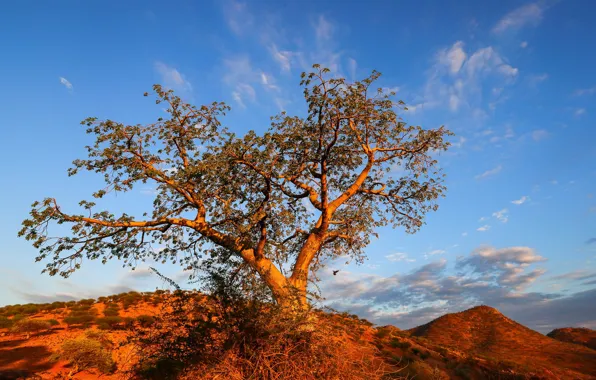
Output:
x=79 y=319
x=84 y=353
x=53 y=322
x=111 y=312
x=145 y=320
x=30 y=326
x=5 y=323
x=112 y=322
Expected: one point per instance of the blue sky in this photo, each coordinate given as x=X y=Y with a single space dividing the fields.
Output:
x=514 y=80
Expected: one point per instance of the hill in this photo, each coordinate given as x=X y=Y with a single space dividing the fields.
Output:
x=578 y=335
x=486 y=333
x=479 y=343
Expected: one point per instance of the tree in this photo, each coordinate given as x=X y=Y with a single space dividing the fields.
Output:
x=30 y=326
x=280 y=203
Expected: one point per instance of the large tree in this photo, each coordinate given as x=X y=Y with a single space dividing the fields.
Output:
x=311 y=188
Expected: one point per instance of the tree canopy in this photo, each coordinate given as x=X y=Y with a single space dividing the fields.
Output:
x=312 y=187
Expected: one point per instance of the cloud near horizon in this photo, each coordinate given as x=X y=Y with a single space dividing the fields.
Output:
x=496 y=277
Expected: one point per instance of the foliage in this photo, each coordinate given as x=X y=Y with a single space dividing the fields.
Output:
x=84 y=353
x=238 y=333
x=79 y=319
x=53 y=322
x=30 y=326
x=309 y=189
x=112 y=322
x=145 y=320
x=5 y=322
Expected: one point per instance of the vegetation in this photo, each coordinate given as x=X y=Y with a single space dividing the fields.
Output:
x=30 y=326
x=310 y=188
x=85 y=353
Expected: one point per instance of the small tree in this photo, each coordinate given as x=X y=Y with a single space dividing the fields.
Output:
x=310 y=188
x=30 y=326
x=83 y=353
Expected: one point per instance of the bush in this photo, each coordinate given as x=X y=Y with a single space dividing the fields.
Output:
x=111 y=312
x=5 y=323
x=238 y=334
x=145 y=320
x=53 y=322
x=85 y=353
x=79 y=319
x=30 y=326
x=112 y=322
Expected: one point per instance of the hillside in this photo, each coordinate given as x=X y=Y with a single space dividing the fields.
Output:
x=578 y=335
x=478 y=344
x=485 y=332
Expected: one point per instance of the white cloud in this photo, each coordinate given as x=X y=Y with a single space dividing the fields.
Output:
x=437 y=252
x=172 y=78
x=399 y=256
x=323 y=29
x=238 y=17
x=243 y=92
x=453 y=57
x=66 y=83
x=537 y=78
x=457 y=79
x=282 y=57
x=579 y=111
x=484 y=228
x=501 y=215
x=521 y=200
x=540 y=134
x=585 y=91
x=268 y=82
x=530 y=14
x=352 y=67
x=482 y=219
x=464 y=234
x=486 y=60
x=524 y=44
x=489 y=173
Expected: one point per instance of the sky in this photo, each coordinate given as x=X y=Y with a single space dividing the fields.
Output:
x=513 y=80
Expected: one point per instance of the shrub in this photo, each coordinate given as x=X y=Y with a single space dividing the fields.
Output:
x=425 y=355
x=30 y=326
x=85 y=353
x=30 y=309
x=110 y=312
x=112 y=322
x=5 y=323
x=53 y=322
x=235 y=335
x=416 y=351
x=88 y=301
x=99 y=336
x=145 y=320
x=79 y=319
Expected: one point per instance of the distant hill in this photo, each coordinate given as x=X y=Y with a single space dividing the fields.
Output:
x=480 y=343
x=578 y=335
x=485 y=332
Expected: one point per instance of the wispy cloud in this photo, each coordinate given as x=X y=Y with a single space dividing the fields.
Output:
x=242 y=93
x=399 y=256
x=579 y=112
x=540 y=134
x=490 y=172
x=523 y=44
x=437 y=252
x=66 y=83
x=591 y=240
x=172 y=78
x=585 y=91
x=238 y=17
x=501 y=215
x=453 y=57
x=282 y=57
x=323 y=29
x=484 y=228
x=521 y=200
x=527 y=15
